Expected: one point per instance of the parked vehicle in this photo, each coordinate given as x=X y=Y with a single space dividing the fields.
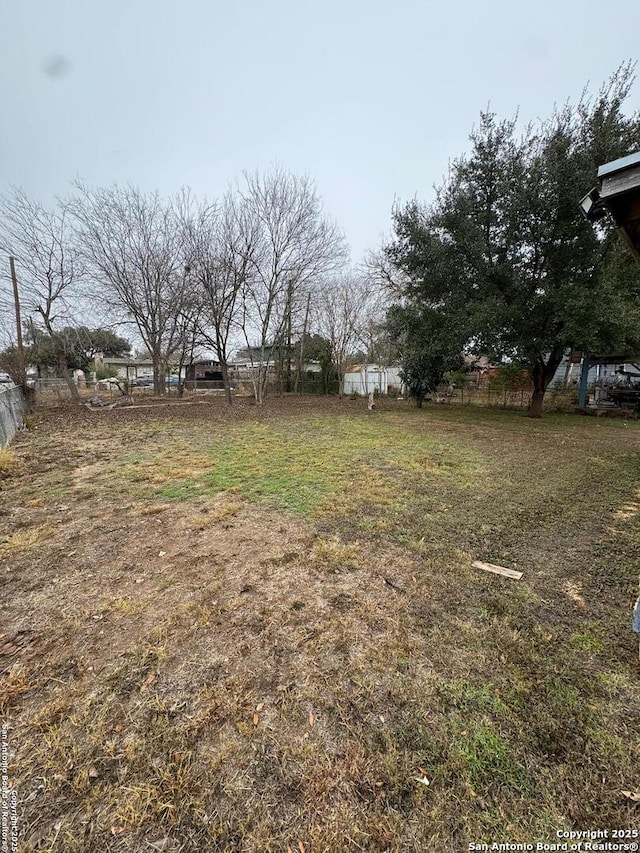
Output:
x=145 y=379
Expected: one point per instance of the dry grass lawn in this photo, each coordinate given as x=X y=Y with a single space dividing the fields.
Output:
x=259 y=630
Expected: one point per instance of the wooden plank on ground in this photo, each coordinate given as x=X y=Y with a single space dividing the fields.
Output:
x=497 y=570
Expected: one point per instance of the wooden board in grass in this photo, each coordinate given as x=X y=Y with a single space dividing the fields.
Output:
x=497 y=570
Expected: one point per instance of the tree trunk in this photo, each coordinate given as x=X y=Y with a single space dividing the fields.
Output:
x=325 y=380
x=537 y=400
x=224 y=369
x=159 y=379
x=156 y=378
x=29 y=395
x=261 y=384
x=64 y=370
x=542 y=374
x=287 y=376
x=300 y=371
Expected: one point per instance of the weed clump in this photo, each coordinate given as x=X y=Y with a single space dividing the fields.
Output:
x=9 y=462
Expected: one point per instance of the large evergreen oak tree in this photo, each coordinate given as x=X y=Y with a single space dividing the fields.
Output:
x=503 y=251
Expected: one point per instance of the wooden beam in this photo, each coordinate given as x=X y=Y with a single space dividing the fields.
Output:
x=497 y=570
x=620 y=182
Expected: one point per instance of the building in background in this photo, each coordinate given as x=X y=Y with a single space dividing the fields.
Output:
x=362 y=379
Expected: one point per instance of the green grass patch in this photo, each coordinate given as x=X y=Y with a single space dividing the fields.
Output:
x=306 y=469
x=484 y=759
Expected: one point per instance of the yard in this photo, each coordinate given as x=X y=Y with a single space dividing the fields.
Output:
x=260 y=630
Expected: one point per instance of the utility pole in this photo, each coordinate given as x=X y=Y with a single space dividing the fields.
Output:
x=300 y=370
x=16 y=302
x=288 y=356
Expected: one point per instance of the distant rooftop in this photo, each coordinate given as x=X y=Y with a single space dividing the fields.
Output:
x=619 y=165
x=131 y=360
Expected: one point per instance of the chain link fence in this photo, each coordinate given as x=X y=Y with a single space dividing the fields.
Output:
x=506 y=395
x=494 y=394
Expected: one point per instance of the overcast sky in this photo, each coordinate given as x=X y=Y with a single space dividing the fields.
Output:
x=370 y=98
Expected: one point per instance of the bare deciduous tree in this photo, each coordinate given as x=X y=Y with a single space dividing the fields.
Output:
x=385 y=278
x=188 y=335
x=219 y=243
x=133 y=246
x=48 y=265
x=344 y=310
x=292 y=246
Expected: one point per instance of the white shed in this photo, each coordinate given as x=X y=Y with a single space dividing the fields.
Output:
x=362 y=379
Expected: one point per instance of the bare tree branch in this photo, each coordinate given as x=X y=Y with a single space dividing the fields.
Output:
x=292 y=245
x=344 y=310
x=219 y=244
x=49 y=268
x=133 y=246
